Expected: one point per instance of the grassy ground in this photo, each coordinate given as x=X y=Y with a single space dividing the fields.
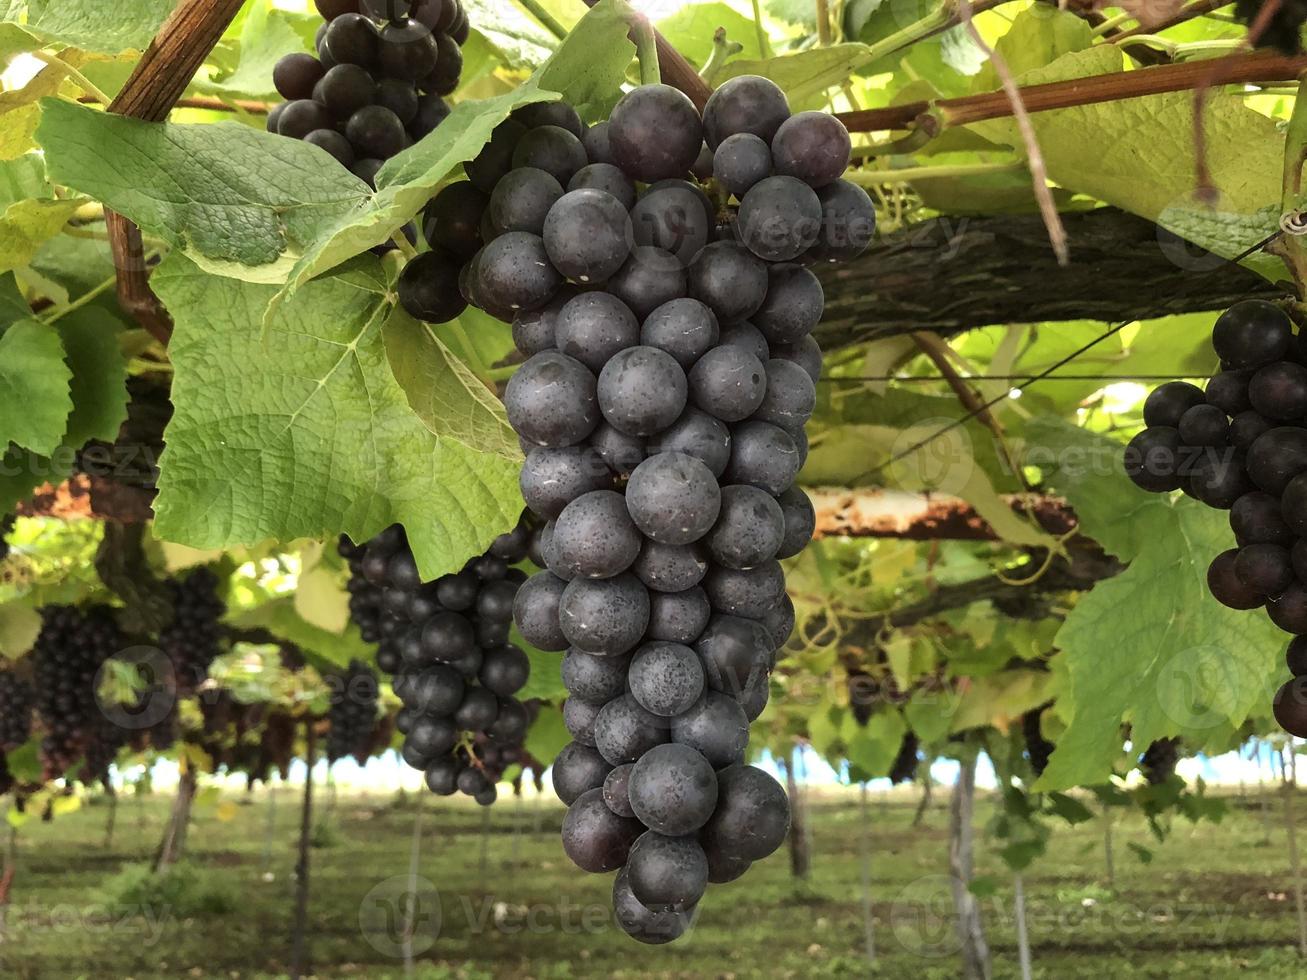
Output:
x=1214 y=902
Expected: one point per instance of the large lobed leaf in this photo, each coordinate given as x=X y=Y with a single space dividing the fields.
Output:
x=298 y=428
x=98 y=26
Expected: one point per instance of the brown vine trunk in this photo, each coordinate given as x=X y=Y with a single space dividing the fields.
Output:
x=173 y=844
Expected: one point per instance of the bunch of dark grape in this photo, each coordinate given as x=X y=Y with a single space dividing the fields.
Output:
x=1242 y=445
x=15 y=710
x=1159 y=760
x=194 y=637
x=447 y=644
x=378 y=82
x=364 y=597
x=353 y=713
x=1038 y=748
x=654 y=267
x=72 y=647
x=1283 y=30
x=904 y=767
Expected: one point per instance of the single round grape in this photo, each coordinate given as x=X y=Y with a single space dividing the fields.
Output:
x=595 y=838
x=535 y=611
x=1166 y=403
x=558 y=113
x=597 y=148
x=551 y=400
x=1204 y=425
x=346 y=89
x=644 y=924
x=428 y=289
x=495 y=160
x=274 y=117
x=333 y=143
x=642 y=390
x=625 y=731
x=649 y=278
x=673 y=789
x=763 y=456
x=1290 y=707
x=848 y=222
x=791 y=396
x=1264 y=568
x=298 y=119
x=594 y=678
x=607 y=178
x=452 y=220
x=1257 y=518
x=607 y=616
x=1226 y=587
x=432 y=111
x=666 y=678
x=367 y=170
x=746 y=337
x=577 y=770
x=1252 y=333
x=671 y=216
x=434 y=690
x=457 y=592
x=552 y=149
x=430 y=736
x=812 y=146
x=716 y=728
x=617 y=794
x=376 y=132
x=667 y=873
x=514 y=272
x=522 y=199
x=587 y=235
x=478 y=710
x=1295 y=657
x=594 y=536
x=622 y=453
x=673 y=498
x=728 y=383
x=443 y=79
x=1152 y=459
x=473 y=782
x=749 y=529
x=408 y=51
x=806 y=353
x=552 y=478
x=1289 y=609
x=684 y=328
x=745 y=592
x=352 y=40
x=736 y=653
x=741 y=161
x=1276 y=457
x=752 y=815
x=729 y=279
x=1279 y=391
x=1246 y=427
x=442 y=776
x=779 y=218
x=696 y=434
x=744 y=104
x=723 y=868
x=592 y=327
x=1218 y=477
x=793 y=305
x=504 y=670
x=295 y=75
x=670 y=567
x=678 y=617
x=654 y=132
x=579 y=718
x=446 y=636
x=800 y=521
x=1228 y=391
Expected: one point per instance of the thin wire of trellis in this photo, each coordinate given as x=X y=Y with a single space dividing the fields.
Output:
x=922 y=378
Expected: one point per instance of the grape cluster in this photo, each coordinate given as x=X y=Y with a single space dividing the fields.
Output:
x=1038 y=748
x=378 y=82
x=194 y=636
x=1159 y=760
x=669 y=372
x=1241 y=446
x=71 y=648
x=904 y=767
x=15 y=710
x=353 y=713
x=447 y=644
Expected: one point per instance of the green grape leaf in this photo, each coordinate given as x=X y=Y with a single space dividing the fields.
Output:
x=27 y=225
x=547 y=735
x=803 y=76
x=99 y=375
x=1037 y=37
x=443 y=393
x=34 y=398
x=873 y=747
x=299 y=429
x=690 y=31
x=1153 y=649
x=266 y=36
x=281 y=618
x=88 y=25
x=237 y=201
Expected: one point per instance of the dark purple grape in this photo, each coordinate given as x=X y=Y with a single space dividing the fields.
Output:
x=654 y=132
x=673 y=498
x=607 y=616
x=684 y=328
x=333 y=143
x=1276 y=457
x=1152 y=459
x=697 y=434
x=678 y=616
x=432 y=111
x=749 y=528
x=376 y=132
x=666 y=678
x=729 y=279
x=1226 y=587
x=1228 y=391
x=812 y=146
x=535 y=611
x=1252 y=333
x=649 y=278
x=604 y=177
x=537 y=114
x=793 y=305
x=1166 y=403
x=522 y=199
x=671 y=216
x=594 y=536
x=428 y=289
x=1279 y=391
x=495 y=160
x=752 y=815
x=551 y=149
x=848 y=222
x=744 y=104
x=513 y=272
x=295 y=75
x=596 y=144
x=452 y=219
x=716 y=727
x=641 y=390
x=595 y=838
x=1204 y=425
x=588 y=235
x=552 y=478
x=728 y=383
x=352 y=39
x=741 y=161
x=300 y=118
